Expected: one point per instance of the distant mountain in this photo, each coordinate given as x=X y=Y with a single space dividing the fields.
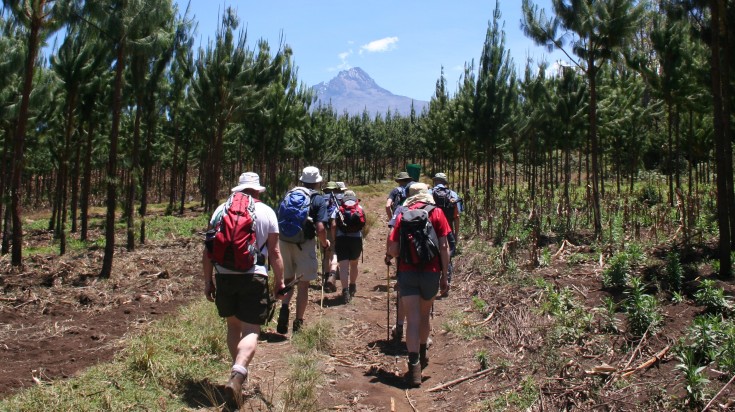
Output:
x=354 y=90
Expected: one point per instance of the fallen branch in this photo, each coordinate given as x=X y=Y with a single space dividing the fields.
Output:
x=718 y=393
x=487 y=319
x=410 y=402
x=460 y=380
x=657 y=357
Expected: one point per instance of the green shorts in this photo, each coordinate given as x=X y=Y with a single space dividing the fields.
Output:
x=244 y=296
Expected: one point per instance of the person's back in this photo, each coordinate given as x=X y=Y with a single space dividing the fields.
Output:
x=241 y=293
x=299 y=253
x=419 y=281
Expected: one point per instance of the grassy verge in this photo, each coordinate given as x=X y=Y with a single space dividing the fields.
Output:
x=172 y=367
x=156 y=370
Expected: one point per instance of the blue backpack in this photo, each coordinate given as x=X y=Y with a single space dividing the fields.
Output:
x=293 y=215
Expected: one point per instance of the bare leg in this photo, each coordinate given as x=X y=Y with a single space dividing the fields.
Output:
x=302 y=298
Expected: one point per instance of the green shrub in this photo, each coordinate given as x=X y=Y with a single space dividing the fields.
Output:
x=674 y=272
x=694 y=380
x=642 y=310
x=712 y=297
x=615 y=276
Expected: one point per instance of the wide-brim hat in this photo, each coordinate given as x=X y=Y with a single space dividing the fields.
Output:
x=342 y=185
x=441 y=176
x=417 y=188
x=402 y=176
x=332 y=186
x=310 y=174
x=249 y=180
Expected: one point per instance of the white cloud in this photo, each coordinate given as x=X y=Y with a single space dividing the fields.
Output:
x=343 y=63
x=380 y=46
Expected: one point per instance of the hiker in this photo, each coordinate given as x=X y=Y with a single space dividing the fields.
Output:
x=392 y=207
x=240 y=292
x=449 y=202
x=302 y=218
x=419 y=241
x=348 y=220
x=333 y=194
x=398 y=195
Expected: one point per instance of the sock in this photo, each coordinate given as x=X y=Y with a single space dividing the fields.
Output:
x=422 y=350
x=413 y=358
x=240 y=369
x=399 y=323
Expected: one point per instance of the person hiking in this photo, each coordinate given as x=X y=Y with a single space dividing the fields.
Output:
x=302 y=218
x=241 y=295
x=449 y=202
x=348 y=220
x=398 y=195
x=333 y=194
x=419 y=241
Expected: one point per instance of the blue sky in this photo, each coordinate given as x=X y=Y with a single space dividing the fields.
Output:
x=401 y=44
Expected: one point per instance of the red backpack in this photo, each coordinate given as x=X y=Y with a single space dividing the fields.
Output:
x=234 y=244
x=350 y=215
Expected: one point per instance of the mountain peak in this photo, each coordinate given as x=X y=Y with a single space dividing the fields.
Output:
x=353 y=91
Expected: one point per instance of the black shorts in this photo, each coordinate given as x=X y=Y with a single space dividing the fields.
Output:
x=348 y=248
x=424 y=284
x=244 y=296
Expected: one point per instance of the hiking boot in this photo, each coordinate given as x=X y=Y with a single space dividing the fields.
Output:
x=396 y=333
x=423 y=358
x=413 y=376
x=329 y=283
x=282 y=326
x=346 y=295
x=233 y=388
x=353 y=289
x=297 y=324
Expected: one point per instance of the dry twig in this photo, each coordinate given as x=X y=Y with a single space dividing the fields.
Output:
x=410 y=402
x=459 y=380
x=657 y=357
x=718 y=393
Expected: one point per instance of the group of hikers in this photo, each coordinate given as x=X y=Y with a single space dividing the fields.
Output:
x=246 y=237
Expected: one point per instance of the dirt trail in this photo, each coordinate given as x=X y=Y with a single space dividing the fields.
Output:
x=364 y=371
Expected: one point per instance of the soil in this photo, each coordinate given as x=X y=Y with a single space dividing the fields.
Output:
x=57 y=318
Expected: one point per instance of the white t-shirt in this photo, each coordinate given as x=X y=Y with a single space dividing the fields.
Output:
x=266 y=223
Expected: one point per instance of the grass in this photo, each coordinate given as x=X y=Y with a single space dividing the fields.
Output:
x=152 y=371
x=460 y=324
x=158 y=228
x=171 y=366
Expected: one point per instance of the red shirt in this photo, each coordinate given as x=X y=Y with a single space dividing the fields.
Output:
x=442 y=229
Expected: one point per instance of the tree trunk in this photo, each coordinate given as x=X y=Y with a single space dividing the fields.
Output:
x=106 y=270
x=86 y=182
x=20 y=135
x=721 y=152
x=133 y=178
x=592 y=72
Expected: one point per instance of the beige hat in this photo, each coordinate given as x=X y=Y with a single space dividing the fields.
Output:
x=310 y=174
x=332 y=186
x=248 y=180
x=418 y=188
x=441 y=176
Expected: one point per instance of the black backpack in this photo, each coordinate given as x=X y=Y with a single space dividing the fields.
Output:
x=418 y=241
x=443 y=200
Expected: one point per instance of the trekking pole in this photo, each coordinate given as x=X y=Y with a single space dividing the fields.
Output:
x=387 y=291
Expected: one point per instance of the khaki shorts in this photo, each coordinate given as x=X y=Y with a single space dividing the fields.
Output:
x=299 y=259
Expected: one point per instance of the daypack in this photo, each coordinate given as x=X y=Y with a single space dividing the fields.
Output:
x=350 y=215
x=403 y=193
x=418 y=241
x=293 y=215
x=443 y=200
x=232 y=242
